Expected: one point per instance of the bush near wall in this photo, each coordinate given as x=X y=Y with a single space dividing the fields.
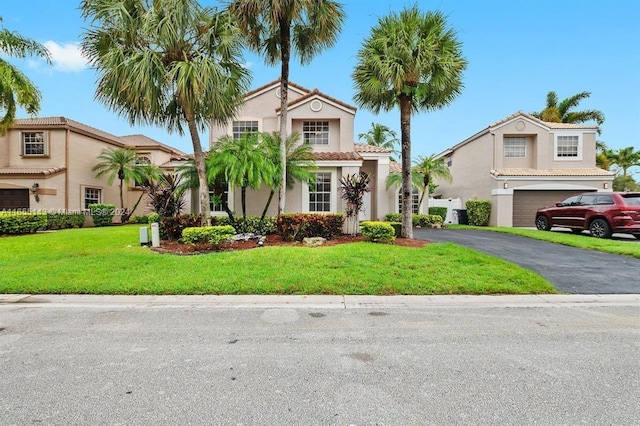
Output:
x=393 y=217
x=440 y=211
x=426 y=220
x=171 y=227
x=397 y=227
x=478 y=212
x=102 y=214
x=374 y=231
x=15 y=223
x=65 y=220
x=296 y=227
x=213 y=235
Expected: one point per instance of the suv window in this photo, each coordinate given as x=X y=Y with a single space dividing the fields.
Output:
x=570 y=201
x=587 y=200
x=632 y=199
x=604 y=199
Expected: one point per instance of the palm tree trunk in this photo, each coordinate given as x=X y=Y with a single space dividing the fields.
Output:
x=243 y=196
x=198 y=155
x=425 y=190
x=285 y=39
x=405 y=131
x=266 y=207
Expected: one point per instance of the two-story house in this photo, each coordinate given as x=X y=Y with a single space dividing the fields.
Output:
x=46 y=164
x=521 y=163
x=327 y=124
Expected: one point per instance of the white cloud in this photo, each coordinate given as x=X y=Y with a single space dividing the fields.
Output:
x=66 y=57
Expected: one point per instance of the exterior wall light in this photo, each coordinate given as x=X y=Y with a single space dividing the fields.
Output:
x=506 y=185
x=606 y=185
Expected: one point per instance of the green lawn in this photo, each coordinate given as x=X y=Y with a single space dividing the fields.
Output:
x=110 y=261
x=630 y=247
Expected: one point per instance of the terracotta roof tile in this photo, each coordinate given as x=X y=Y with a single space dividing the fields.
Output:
x=361 y=147
x=145 y=141
x=319 y=93
x=265 y=86
x=337 y=156
x=592 y=171
x=31 y=171
x=544 y=123
x=395 y=167
x=66 y=123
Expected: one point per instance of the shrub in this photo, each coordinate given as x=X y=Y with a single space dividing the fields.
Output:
x=479 y=212
x=65 y=220
x=295 y=227
x=440 y=211
x=378 y=231
x=426 y=220
x=397 y=227
x=213 y=235
x=14 y=223
x=153 y=217
x=102 y=214
x=171 y=227
x=139 y=219
x=253 y=224
x=393 y=217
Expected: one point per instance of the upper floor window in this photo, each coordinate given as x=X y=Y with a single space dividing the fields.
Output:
x=33 y=144
x=515 y=147
x=142 y=161
x=415 y=201
x=320 y=194
x=568 y=147
x=315 y=132
x=244 y=126
x=91 y=196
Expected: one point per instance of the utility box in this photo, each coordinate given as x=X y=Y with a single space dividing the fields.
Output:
x=155 y=235
x=144 y=236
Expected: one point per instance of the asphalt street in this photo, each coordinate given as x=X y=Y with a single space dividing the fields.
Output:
x=543 y=360
x=569 y=269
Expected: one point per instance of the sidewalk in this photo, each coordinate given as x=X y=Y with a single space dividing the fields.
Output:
x=320 y=301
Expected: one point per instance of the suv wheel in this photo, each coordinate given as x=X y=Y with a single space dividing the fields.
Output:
x=599 y=228
x=542 y=223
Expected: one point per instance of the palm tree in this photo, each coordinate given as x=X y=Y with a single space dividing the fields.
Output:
x=624 y=159
x=382 y=136
x=120 y=163
x=603 y=155
x=412 y=61
x=561 y=112
x=300 y=163
x=242 y=163
x=168 y=63
x=275 y=28
x=15 y=88
x=431 y=168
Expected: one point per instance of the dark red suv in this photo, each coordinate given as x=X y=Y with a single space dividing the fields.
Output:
x=601 y=213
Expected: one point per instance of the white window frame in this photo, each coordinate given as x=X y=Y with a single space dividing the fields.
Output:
x=578 y=156
x=306 y=192
x=415 y=201
x=85 y=205
x=245 y=120
x=515 y=147
x=44 y=142
x=312 y=130
x=219 y=210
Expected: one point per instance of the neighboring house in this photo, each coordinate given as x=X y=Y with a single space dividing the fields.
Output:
x=521 y=163
x=325 y=123
x=45 y=164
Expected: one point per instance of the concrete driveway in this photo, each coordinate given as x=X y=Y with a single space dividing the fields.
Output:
x=571 y=270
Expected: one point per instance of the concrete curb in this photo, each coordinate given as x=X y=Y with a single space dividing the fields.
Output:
x=319 y=302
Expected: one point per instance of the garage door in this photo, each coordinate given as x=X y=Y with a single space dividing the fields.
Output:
x=13 y=199
x=525 y=204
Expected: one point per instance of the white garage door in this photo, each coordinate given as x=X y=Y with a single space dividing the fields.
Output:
x=525 y=204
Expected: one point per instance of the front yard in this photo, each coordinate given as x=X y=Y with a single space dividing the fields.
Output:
x=110 y=261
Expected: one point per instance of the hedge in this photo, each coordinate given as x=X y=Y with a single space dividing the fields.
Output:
x=478 y=212
x=296 y=227
x=208 y=234
x=377 y=231
x=426 y=220
x=65 y=220
x=171 y=227
x=102 y=214
x=440 y=211
x=15 y=223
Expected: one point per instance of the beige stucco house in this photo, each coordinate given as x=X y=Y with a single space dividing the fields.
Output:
x=327 y=124
x=45 y=164
x=521 y=163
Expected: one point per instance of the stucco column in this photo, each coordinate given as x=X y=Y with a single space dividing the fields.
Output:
x=501 y=207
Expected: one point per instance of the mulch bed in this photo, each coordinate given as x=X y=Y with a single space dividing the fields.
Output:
x=175 y=247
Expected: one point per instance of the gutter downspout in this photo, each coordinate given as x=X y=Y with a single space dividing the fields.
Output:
x=66 y=170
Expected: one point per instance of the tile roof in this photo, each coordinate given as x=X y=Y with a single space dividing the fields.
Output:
x=395 y=167
x=145 y=141
x=319 y=93
x=31 y=171
x=265 y=86
x=337 y=156
x=66 y=123
x=591 y=171
x=361 y=147
x=544 y=123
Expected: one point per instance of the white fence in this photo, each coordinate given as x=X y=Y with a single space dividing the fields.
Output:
x=451 y=204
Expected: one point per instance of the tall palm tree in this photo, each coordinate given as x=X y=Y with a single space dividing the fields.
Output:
x=275 y=28
x=118 y=163
x=603 y=155
x=169 y=63
x=624 y=159
x=557 y=111
x=382 y=136
x=299 y=166
x=15 y=88
x=431 y=168
x=413 y=62
x=242 y=163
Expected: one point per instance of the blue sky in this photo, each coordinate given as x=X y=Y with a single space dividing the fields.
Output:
x=517 y=50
